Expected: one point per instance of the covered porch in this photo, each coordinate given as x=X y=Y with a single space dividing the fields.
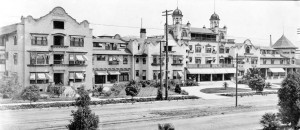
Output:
x=210 y=74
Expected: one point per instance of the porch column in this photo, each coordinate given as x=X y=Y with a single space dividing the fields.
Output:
x=266 y=74
x=199 y=79
x=211 y=77
x=106 y=76
x=118 y=80
x=285 y=71
x=223 y=77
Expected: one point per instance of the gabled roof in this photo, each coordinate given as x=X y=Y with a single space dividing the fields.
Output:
x=284 y=43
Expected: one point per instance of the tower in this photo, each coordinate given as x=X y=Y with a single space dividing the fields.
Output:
x=177 y=16
x=214 y=20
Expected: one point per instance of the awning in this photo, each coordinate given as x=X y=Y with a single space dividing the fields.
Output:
x=231 y=70
x=201 y=71
x=71 y=76
x=79 y=76
x=85 y=57
x=79 y=58
x=41 y=76
x=32 y=76
x=144 y=73
x=276 y=70
x=180 y=74
x=101 y=73
x=113 y=72
x=110 y=59
x=48 y=76
x=124 y=71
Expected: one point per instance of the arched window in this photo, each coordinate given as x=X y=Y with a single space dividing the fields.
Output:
x=154 y=60
x=222 y=36
x=184 y=33
x=247 y=50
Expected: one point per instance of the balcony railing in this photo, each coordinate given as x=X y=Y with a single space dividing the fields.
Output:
x=59 y=46
x=210 y=65
x=113 y=62
x=156 y=64
x=57 y=61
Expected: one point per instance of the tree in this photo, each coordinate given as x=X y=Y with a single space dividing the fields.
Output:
x=131 y=91
x=177 y=89
x=56 y=89
x=269 y=121
x=31 y=93
x=289 y=95
x=83 y=118
x=251 y=73
x=10 y=87
x=257 y=83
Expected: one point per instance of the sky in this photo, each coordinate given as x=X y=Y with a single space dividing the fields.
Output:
x=254 y=20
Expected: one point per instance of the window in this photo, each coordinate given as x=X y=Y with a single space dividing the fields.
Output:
x=184 y=34
x=39 y=78
x=191 y=47
x=137 y=60
x=124 y=77
x=264 y=61
x=77 y=77
x=16 y=58
x=58 y=58
x=198 y=60
x=169 y=48
x=155 y=74
x=58 y=25
x=272 y=61
x=221 y=49
x=137 y=73
x=288 y=61
x=77 y=59
x=100 y=79
x=208 y=60
x=125 y=59
x=222 y=35
x=177 y=59
x=39 y=40
x=247 y=50
x=58 y=40
x=281 y=61
x=198 y=49
x=191 y=59
x=144 y=75
x=39 y=58
x=113 y=60
x=97 y=44
x=111 y=46
x=2 y=58
x=254 y=61
x=100 y=57
x=2 y=41
x=139 y=46
x=154 y=60
x=208 y=49
x=15 y=40
x=77 y=42
x=227 y=49
x=144 y=60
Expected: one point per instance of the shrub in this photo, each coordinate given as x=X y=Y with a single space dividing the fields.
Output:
x=257 y=83
x=191 y=83
x=10 y=87
x=288 y=96
x=269 y=121
x=131 y=91
x=225 y=85
x=56 y=90
x=183 y=92
x=31 y=93
x=83 y=118
x=177 y=89
x=166 y=126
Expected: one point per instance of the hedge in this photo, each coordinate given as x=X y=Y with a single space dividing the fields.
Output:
x=249 y=94
x=102 y=102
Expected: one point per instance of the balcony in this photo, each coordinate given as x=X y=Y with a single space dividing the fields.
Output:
x=210 y=65
x=157 y=64
x=113 y=62
x=177 y=64
x=58 y=62
x=59 y=46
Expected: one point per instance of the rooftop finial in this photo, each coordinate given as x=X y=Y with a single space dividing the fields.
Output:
x=141 y=22
x=214 y=6
x=177 y=4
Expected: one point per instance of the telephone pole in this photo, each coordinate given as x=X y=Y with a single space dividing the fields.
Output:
x=236 y=79
x=166 y=13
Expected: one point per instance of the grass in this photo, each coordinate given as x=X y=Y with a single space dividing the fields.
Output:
x=7 y=101
x=222 y=90
x=144 y=92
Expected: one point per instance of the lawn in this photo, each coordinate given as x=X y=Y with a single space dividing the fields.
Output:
x=144 y=92
x=222 y=90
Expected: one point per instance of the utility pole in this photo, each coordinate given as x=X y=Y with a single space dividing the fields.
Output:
x=236 y=79
x=159 y=95
x=167 y=57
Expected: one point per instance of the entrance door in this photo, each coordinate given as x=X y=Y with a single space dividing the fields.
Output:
x=58 y=78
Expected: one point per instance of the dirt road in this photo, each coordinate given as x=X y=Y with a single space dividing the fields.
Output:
x=188 y=114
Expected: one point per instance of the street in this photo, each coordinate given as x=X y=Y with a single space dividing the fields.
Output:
x=198 y=114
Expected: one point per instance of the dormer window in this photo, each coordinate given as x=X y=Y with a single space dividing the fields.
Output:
x=247 y=50
x=58 y=25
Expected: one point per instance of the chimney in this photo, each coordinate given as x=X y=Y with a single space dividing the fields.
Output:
x=270 y=40
x=143 y=33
